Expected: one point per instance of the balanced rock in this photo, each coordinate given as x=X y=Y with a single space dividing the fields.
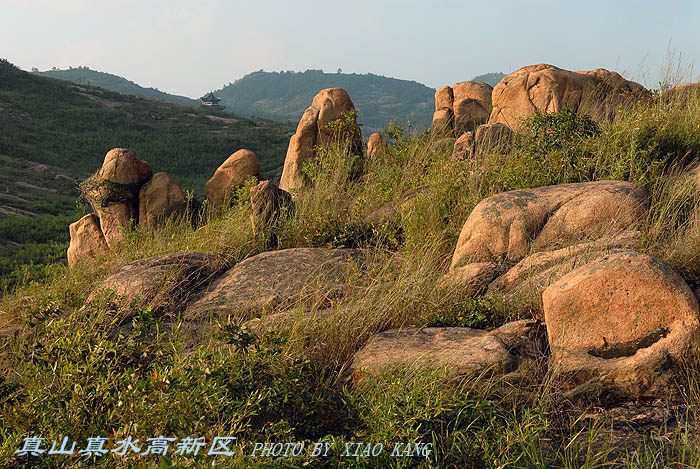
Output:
x=620 y=327
x=546 y=88
x=163 y=283
x=275 y=280
x=511 y=224
x=269 y=203
x=467 y=353
x=376 y=145
x=86 y=240
x=316 y=128
x=159 y=199
x=118 y=180
x=231 y=175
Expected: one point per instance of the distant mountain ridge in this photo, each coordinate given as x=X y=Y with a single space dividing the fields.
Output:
x=108 y=81
x=490 y=78
x=285 y=95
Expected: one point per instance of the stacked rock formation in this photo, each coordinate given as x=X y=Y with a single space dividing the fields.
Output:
x=316 y=128
x=123 y=191
x=461 y=108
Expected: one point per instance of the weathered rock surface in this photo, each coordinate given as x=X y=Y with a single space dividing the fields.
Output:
x=114 y=219
x=620 y=326
x=159 y=199
x=525 y=281
x=443 y=122
x=86 y=240
x=328 y=106
x=472 y=105
x=464 y=146
x=546 y=88
x=230 y=175
x=376 y=145
x=163 y=283
x=274 y=280
x=492 y=137
x=682 y=93
x=118 y=180
x=467 y=353
x=444 y=98
x=269 y=203
x=390 y=210
x=510 y=224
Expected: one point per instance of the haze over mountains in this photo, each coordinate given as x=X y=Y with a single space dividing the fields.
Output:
x=285 y=95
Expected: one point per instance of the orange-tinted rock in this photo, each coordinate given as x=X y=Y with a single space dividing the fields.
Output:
x=114 y=219
x=443 y=122
x=231 y=175
x=492 y=137
x=624 y=322
x=510 y=224
x=376 y=145
x=118 y=180
x=316 y=128
x=472 y=105
x=159 y=199
x=546 y=88
x=464 y=146
x=444 y=98
x=86 y=240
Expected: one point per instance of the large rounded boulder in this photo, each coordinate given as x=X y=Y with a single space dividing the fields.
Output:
x=231 y=175
x=621 y=325
x=86 y=240
x=546 y=88
x=159 y=199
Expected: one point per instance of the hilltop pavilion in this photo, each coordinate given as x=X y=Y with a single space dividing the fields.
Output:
x=212 y=101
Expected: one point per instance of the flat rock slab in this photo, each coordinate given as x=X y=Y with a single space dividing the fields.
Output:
x=621 y=326
x=275 y=280
x=466 y=352
x=163 y=283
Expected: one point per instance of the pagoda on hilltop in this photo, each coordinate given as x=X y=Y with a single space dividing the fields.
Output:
x=212 y=101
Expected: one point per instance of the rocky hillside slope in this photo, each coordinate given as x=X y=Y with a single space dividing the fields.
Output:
x=518 y=287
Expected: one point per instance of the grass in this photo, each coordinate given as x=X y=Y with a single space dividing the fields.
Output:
x=65 y=372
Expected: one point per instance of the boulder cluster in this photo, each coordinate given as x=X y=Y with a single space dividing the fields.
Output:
x=612 y=323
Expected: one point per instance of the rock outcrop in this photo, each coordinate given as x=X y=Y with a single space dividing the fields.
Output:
x=159 y=199
x=511 y=224
x=316 y=128
x=546 y=88
x=621 y=326
x=114 y=220
x=269 y=204
x=467 y=353
x=464 y=146
x=230 y=175
x=162 y=283
x=275 y=280
x=86 y=240
x=486 y=138
x=682 y=93
x=376 y=145
x=461 y=108
x=118 y=180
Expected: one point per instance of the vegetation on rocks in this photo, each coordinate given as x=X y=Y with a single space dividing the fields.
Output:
x=66 y=372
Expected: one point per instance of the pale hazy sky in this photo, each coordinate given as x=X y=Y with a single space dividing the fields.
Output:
x=190 y=47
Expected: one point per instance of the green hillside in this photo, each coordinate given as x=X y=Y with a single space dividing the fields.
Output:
x=285 y=95
x=108 y=81
x=54 y=134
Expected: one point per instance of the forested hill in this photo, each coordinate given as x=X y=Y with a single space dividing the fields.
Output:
x=490 y=78
x=88 y=77
x=285 y=95
x=55 y=133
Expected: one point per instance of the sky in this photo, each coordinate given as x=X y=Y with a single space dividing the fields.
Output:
x=192 y=47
